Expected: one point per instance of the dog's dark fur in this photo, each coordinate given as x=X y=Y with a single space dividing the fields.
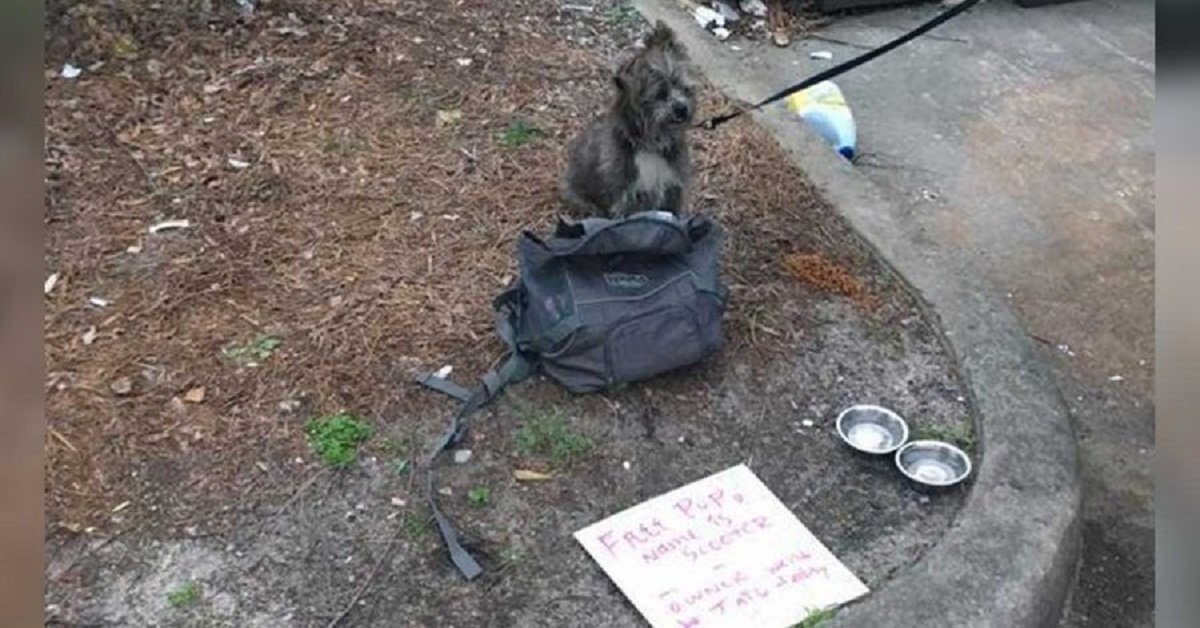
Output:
x=635 y=157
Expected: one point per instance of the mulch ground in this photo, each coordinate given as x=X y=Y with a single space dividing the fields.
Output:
x=353 y=186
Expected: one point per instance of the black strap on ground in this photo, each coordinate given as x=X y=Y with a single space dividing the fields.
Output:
x=515 y=368
x=841 y=68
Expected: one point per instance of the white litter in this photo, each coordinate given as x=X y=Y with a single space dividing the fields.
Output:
x=121 y=506
x=69 y=71
x=627 y=465
x=397 y=502
x=577 y=7
x=721 y=33
x=706 y=17
x=98 y=302
x=729 y=13
x=462 y=456
x=238 y=163
x=51 y=281
x=464 y=61
x=823 y=55
x=89 y=336
x=170 y=224
x=1116 y=378
x=807 y=423
x=292 y=30
x=754 y=7
x=134 y=249
x=444 y=372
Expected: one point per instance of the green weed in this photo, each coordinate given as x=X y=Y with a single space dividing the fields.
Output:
x=547 y=434
x=511 y=555
x=518 y=134
x=623 y=13
x=335 y=438
x=401 y=466
x=256 y=350
x=185 y=595
x=816 y=618
x=479 y=496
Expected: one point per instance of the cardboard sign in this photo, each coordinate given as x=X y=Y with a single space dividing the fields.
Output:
x=721 y=551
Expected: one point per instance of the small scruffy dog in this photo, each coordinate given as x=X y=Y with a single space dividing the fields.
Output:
x=635 y=157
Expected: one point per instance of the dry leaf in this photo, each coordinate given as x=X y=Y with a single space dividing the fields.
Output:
x=525 y=475
x=121 y=386
x=195 y=395
x=446 y=117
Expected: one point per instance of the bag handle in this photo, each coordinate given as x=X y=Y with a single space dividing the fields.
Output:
x=653 y=233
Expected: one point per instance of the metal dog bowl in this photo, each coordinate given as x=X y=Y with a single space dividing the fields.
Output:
x=872 y=429
x=933 y=463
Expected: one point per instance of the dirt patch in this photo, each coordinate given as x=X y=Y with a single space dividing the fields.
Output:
x=354 y=176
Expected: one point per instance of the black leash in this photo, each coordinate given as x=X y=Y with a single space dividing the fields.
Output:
x=836 y=70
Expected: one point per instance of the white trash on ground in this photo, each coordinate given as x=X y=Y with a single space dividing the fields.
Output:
x=824 y=108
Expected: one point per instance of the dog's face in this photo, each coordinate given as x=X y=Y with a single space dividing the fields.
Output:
x=656 y=82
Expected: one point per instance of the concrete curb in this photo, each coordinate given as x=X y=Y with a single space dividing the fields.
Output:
x=1009 y=559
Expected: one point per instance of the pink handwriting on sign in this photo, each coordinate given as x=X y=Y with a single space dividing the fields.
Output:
x=745 y=598
x=733 y=535
x=793 y=558
x=801 y=575
x=643 y=534
x=716 y=499
x=668 y=546
x=750 y=596
x=706 y=594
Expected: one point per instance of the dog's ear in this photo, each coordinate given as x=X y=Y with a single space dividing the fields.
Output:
x=661 y=37
x=622 y=76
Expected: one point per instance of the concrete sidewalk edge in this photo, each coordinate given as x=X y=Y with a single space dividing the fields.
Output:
x=1009 y=559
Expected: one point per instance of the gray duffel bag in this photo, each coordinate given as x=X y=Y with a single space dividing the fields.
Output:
x=613 y=301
